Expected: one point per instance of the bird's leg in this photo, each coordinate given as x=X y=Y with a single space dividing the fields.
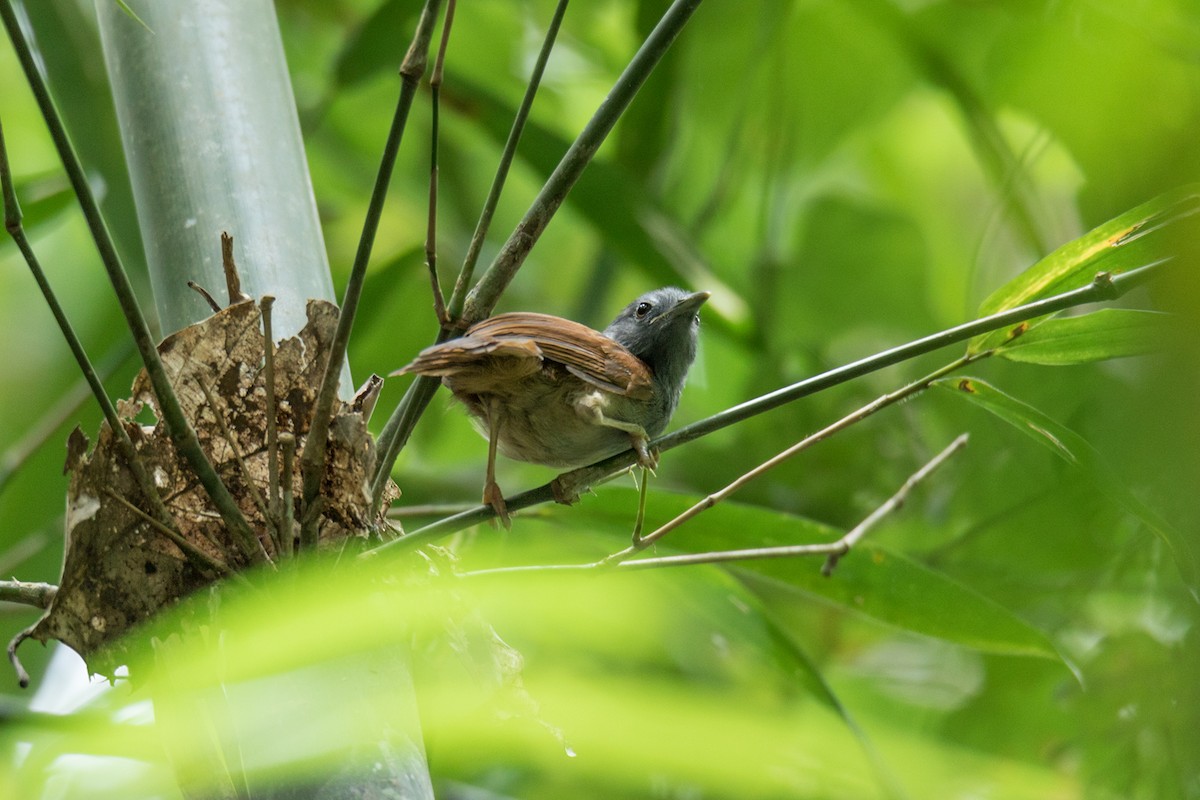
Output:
x=492 y=495
x=590 y=407
x=641 y=512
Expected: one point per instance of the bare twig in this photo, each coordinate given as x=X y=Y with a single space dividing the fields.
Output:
x=832 y=550
x=892 y=504
x=38 y=595
x=275 y=516
x=435 y=91
x=13 y=644
x=287 y=535
x=208 y=298
x=201 y=558
x=467 y=272
x=218 y=410
x=233 y=282
x=366 y=397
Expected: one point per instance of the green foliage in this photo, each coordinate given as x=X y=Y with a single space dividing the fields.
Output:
x=845 y=176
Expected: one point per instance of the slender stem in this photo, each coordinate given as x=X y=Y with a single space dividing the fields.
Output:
x=38 y=595
x=312 y=460
x=399 y=428
x=12 y=223
x=218 y=411
x=853 y=418
x=891 y=504
x=205 y=295
x=198 y=556
x=435 y=91
x=482 y=299
x=287 y=443
x=509 y=152
x=233 y=282
x=1103 y=287
x=13 y=644
x=181 y=432
x=832 y=550
x=274 y=516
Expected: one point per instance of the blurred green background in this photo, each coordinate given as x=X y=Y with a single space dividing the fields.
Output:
x=845 y=176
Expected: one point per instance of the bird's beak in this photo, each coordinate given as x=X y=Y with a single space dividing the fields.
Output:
x=685 y=307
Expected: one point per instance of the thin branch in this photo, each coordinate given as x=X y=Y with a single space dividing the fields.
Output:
x=435 y=91
x=427 y=510
x=13 y=644
x=1103 y=287
x=399 y=427
x=275 y=516
x=182 y=434
x=891 y=505
x=38 y=595
x=509 y=152
x=233 y=282
x=287 y=534
x=832 y=550
x=209 y=300
x=223 y=426
x=880 y=403
x=482 y=299
x=201 y=558
x=312 y=460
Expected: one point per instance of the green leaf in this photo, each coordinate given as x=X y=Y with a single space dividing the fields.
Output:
x=1076 y=450
x=1099 y=336
x=1108 y=248
x=121 y=4
x=872 y=580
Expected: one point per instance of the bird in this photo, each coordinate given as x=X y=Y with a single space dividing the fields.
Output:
x=551 y=391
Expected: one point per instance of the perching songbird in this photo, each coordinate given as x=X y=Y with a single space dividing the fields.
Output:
x=551 y=391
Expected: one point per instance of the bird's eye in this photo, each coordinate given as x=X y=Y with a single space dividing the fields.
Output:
x=642 y=309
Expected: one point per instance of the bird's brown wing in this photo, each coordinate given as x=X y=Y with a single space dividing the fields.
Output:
x=526 y=338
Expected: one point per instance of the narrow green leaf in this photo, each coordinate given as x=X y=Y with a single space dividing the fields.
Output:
x=1099 y=336
x=1108 y=248
x=1076 y=450
x=872 y=580
x=121 y=4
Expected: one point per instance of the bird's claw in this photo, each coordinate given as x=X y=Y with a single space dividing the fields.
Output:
x=492 y=496
x=647 y=458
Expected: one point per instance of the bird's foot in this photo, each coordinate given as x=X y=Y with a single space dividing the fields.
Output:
x=647 y=457
x=492 y=496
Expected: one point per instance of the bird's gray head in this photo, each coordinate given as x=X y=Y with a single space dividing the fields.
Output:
x=661 y=328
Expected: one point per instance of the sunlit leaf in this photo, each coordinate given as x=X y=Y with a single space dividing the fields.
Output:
x=1108 y=248
x=1099 y=336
